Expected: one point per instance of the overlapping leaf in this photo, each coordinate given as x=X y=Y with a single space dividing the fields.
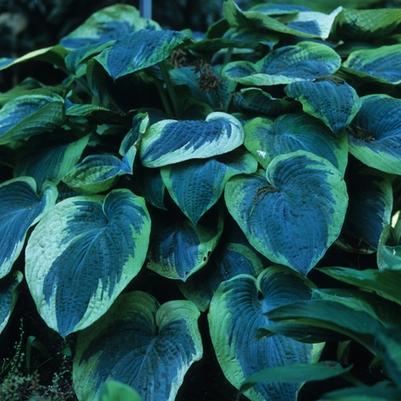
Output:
x=139 y=343
x=266 y=139
x=20 y=208
x=8 y=297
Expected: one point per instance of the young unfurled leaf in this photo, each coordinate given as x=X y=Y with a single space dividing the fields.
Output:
x=279 y=216
x=147 y=346
x=97 y=241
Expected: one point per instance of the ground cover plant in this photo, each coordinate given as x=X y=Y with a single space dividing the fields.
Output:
x=205 y=217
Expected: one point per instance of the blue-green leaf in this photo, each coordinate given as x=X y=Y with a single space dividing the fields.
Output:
x=368 y=24
x=20 y=208
x=303 y=61
x=381 y=64
x=52 y=164
x=139 y=50
x=256 y=100
x=139 y=343
x=25 y=116
x=95 y=240
x=8 y=297
x=330 y=100
x=171 y=141
x=152 y=187
x=308 y=24
x=196 y=185
x=389 y=249
x=376 y=133
x=97 y=173
x=279 y=216
x=370 y=207
x=116 y=391
x=266 y=139
x=178 y=248
x=233 y=259
x=237 y=312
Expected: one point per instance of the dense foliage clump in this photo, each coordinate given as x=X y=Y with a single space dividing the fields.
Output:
x=207 y=216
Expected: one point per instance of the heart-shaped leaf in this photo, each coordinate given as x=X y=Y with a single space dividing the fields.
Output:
x=237 y=312
x=139 y=50
x=279 y=216
x=376 y=133
x=171 y=141
x=96 y=240
x=25 y=116
x=196 y=185
x=380 y=64
x=266 y=139
x=233 y=259
x=330 y=100
x=20 y=208
x=52 y=164
x=369 y=209
x=8 y=297
x=97 y=173
x=304 y=61
x=178 y=248
x=139 y=343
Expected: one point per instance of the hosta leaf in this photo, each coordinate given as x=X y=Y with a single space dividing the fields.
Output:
x=8 y=297
x=364 y=24
x=152 y=186
x=382 y=391
x=20 y=208
x=381 y=64
x=369 y=209
x=383 y=283
x=52 y=164
x=116 y=391
x=256 y=100
x=29 y=115
x=303 y=61
x=306 y=24
x=236 y=313
x=332 y=101
x=233 y=259
x=95 y=240
x=280 y=218
x=53 y=54
x=139 y=343
x=266 y=139
x=196 y=185
x=178 y=248
x=376 y=133
x=110 y=23
x=96 y=173
x=389 y=249
x=139 y=50
x=296 y=373
x=171 y=141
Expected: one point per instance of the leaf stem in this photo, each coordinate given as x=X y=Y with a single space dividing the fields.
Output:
x=169 y=86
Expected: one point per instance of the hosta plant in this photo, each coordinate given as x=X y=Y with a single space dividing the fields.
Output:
x=209 y=217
